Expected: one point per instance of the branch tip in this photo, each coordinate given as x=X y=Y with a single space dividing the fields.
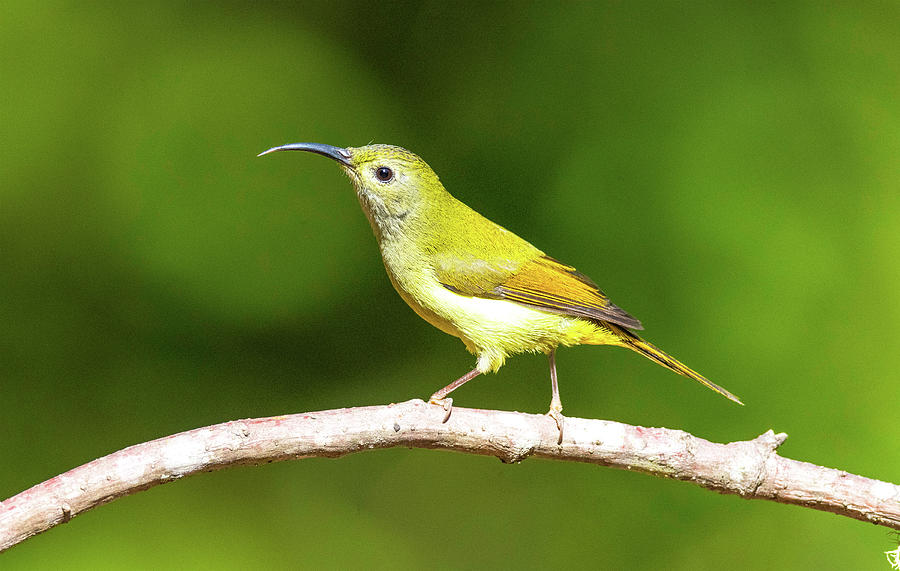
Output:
x=771 y=440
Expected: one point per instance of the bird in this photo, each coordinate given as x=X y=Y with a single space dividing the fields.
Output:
x=473 y=279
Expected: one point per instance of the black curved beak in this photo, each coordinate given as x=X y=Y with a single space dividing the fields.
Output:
x=340 y=155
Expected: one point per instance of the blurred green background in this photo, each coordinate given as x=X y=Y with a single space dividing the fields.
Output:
x=728 y=173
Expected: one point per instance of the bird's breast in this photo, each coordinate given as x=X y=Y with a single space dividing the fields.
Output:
x=491 y=328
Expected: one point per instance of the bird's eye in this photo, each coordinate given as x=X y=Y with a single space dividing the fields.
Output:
x=384 y=174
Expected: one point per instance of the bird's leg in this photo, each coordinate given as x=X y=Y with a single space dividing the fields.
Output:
x=447 y=403
x=555 y=411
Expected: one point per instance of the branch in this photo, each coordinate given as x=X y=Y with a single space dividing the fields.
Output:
x=751 y=469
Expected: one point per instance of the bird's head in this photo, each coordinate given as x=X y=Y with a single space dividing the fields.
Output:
x=395 y=187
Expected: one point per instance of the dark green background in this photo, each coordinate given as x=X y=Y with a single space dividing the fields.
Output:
x=728 y=174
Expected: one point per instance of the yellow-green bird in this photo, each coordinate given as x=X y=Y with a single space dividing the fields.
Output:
x=476 y=280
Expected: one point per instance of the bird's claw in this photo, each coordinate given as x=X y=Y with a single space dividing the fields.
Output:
x=444 y=403
x=556 y=414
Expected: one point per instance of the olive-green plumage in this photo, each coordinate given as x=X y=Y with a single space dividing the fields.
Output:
x=474 y=279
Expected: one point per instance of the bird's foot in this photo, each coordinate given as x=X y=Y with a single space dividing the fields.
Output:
x=556 y=414
x=445 y=403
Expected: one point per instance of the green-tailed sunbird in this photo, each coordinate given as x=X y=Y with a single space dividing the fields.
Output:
x=476 y=280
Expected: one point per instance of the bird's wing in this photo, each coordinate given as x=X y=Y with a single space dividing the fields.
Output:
x=542 y=283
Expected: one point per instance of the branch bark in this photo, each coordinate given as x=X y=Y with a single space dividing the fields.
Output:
x=751 y=469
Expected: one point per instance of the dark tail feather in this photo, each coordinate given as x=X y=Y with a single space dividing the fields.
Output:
x=650 y=351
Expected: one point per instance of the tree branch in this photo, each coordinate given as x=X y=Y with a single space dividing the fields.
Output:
x=751 y=469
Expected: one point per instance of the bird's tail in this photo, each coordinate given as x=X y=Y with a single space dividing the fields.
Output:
x=656 y=355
